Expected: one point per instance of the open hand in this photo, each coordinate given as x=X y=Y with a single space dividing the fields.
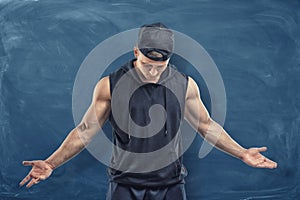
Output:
x=254 y=158
x=40 y=171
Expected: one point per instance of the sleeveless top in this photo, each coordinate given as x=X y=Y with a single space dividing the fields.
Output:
x=146 y=120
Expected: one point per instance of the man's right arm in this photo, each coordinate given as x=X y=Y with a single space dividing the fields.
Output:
x=91 y=123
x=77 y=139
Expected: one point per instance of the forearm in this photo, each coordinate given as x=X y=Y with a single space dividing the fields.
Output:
x=219 y=138
x=80 y=136
x=72 y=145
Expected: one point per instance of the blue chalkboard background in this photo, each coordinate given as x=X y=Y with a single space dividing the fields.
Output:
x=255 y=44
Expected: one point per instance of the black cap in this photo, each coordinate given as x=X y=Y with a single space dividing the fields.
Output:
x=156 y=41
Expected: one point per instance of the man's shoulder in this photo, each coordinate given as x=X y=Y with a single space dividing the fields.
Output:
x=102 y=89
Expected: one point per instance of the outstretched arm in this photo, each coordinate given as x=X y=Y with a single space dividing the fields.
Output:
x=197 y=115
x=77 y=139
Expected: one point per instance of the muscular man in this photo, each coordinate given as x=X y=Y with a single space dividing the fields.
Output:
x=147 y=80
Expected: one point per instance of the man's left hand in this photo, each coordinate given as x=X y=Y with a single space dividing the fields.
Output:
x=254 y=158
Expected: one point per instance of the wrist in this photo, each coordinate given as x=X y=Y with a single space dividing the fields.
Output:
x=50 y=164
x=242 y=153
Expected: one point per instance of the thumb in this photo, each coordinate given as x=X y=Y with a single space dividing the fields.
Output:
x=28 y=163
x=261 y=149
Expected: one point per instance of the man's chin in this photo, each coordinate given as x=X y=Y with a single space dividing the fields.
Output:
x=150 y=79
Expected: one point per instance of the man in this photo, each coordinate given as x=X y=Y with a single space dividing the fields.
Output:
x=127 y=98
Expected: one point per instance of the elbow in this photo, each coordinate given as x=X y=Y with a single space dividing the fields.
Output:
x=82 y=127
x=87 y=130
x=204 y=126
x=81 y=131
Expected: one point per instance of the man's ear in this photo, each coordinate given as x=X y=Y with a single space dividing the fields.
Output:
x=136 y=52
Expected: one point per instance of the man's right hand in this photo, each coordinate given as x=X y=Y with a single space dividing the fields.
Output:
x=41 y=170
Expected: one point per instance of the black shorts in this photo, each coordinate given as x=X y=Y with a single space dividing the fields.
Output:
x=117 y=191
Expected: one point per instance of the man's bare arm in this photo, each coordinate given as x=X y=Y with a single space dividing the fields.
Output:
x=91 y=123
x=77 y=139
x=197 y=115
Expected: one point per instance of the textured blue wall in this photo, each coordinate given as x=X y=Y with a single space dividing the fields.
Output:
x=255 y=44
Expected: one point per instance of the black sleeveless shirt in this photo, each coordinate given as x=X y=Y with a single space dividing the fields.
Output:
x=147 y=147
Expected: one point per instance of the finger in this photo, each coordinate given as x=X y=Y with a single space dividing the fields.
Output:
x=28 y=163
x=267 y=164
x=32 y=182
x=261 y=149
x=38 y=176
x=271 y=163
x=25 y=180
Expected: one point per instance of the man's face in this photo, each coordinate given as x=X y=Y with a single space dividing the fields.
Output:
x=149 y=70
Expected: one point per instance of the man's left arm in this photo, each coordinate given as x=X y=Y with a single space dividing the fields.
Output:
x=196 y=114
